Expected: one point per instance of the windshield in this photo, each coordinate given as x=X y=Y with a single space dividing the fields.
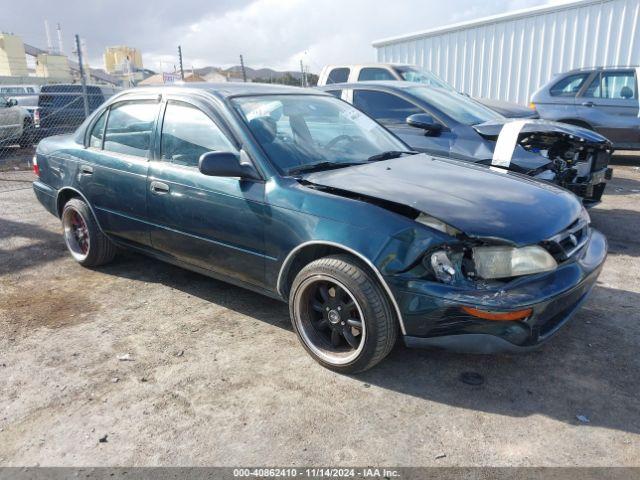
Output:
x=459 y=107
x=411 y=74
x=297 y=130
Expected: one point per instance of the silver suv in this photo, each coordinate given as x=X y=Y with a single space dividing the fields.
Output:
x=604 y=99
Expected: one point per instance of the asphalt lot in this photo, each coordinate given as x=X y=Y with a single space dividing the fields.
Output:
x=215 y=376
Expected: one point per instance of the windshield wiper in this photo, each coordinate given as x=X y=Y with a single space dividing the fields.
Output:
x=389 y=155
x=314 y=167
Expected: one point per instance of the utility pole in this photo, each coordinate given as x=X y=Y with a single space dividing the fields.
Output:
x=83 y=81
x=244 y=72
x=180 y=62
x=303 y=80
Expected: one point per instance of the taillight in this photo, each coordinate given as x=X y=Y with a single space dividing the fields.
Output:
x=36 y=118
x=36 y=169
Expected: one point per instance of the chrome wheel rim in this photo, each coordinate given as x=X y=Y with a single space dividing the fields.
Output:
x=329 y=319
x=76 y=233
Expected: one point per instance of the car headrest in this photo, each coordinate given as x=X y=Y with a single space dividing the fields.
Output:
x=264 y=128
x=626 y=92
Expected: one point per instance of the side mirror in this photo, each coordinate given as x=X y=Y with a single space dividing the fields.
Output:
x=225 y=164
x=425 y=122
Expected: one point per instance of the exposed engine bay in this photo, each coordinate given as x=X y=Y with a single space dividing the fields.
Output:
x=578 y=158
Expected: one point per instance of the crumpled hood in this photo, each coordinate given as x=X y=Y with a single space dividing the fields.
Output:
x=477 y=200
x=508 y=109
x=492 y=129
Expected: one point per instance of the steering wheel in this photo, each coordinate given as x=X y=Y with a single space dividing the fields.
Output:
x=338 y=139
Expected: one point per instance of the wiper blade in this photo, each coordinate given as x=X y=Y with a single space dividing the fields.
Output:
x=389 y=155
x=314 y=167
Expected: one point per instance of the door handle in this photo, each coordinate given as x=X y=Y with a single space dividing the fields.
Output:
x=159 y=188
x=86 y=170
x=587 y=104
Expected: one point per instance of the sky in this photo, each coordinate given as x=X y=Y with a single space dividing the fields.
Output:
x=269 y=33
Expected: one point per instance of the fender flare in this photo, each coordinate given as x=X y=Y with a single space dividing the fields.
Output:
x=291 y=255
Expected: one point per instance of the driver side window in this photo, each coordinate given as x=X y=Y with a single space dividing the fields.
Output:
x=384 y=107
x=187 y=133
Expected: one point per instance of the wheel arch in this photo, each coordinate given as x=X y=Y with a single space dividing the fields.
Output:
x=307 y=252
x=67 y=193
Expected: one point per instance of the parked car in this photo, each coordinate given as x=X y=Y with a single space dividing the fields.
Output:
x=15 y=123
x=299 y=196
x=437 y=121
x=61 y=106
x=26 y=96
x=604 y=99
x=331 y=74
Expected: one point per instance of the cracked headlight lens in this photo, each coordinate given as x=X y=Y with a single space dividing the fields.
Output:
x=504 y=262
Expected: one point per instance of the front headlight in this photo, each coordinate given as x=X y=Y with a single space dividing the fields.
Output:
x=436 y=224
x=504 y=262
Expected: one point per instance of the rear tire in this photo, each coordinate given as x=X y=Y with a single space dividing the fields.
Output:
x=86 y=243
x=341 y=315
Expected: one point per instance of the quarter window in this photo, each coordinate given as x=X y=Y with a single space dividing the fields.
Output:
x=374 y=74
x=569 y=86
x=187 y=133
x=129 y=128
x=97 y=133
x=338 y=75
x=384 y=107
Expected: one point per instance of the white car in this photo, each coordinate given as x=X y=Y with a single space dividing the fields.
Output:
x=15 y=124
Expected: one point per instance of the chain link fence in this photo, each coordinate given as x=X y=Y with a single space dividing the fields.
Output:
x=29 y=113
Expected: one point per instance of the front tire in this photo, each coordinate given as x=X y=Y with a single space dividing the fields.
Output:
x=341 y=315
x=86 y=243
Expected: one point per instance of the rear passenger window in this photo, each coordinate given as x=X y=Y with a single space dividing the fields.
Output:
x=129 y=128
x=187 y=133
x=338 y=75
x=374 y=74
x=97 y=133
x=384 y=107
x=569 y=86
x=613 y=85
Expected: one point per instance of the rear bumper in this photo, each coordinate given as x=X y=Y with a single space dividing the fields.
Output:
x=47 y=196
x=433 y=315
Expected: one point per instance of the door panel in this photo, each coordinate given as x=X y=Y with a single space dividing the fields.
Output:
x=211 y=222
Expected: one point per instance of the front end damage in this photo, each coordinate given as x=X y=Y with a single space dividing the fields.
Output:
x=578 y=159
x=446 y=301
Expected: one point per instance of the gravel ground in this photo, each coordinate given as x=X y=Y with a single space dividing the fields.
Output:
x=143 y=363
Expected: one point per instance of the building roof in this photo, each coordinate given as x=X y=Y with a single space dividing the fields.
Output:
x=515 y=15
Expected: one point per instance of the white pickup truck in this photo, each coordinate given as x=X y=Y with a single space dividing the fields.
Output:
x=15 y=123
x=367 y=72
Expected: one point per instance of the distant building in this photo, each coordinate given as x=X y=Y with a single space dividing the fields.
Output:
x=13 y=60
x=508 y=56
x=53 y=66
x=122 y=59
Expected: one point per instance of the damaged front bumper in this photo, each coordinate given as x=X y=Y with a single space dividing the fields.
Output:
x=434 y=313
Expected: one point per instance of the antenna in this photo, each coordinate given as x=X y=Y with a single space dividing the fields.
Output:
x=48 y=34
x=59 y=30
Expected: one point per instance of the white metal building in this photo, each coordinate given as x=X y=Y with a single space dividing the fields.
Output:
x=509 y=56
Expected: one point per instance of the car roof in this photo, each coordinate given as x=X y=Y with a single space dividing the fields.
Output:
x=391 y=84
x=227 y=89
x=368 y=65
x=599 y=68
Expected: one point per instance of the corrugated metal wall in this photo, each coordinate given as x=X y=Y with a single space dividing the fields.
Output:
x=508 y=58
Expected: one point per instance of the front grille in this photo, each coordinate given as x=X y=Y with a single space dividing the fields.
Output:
x=569 y=242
